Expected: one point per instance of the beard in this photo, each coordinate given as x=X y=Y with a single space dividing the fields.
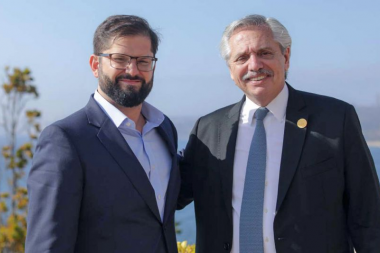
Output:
x=129 y=97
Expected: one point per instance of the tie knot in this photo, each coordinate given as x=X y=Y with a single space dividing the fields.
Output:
x=261 y=113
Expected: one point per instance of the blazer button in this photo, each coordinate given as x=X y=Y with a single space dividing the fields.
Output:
x=227 y=246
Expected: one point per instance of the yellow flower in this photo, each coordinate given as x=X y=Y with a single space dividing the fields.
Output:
x=183 y=247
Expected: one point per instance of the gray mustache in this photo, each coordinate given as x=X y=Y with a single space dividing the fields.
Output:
x=252 y=74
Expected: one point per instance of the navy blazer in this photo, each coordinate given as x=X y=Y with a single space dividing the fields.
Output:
x=89 y=193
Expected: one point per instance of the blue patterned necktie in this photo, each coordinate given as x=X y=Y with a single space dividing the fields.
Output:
x=251 y=214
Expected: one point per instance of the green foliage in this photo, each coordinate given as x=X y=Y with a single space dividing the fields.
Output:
x=177 y=229
x=17 y=90
x=13 y=233
x=19 y=82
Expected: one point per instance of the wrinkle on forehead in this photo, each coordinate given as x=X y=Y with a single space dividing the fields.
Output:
x=260 y=38
x=263 y=28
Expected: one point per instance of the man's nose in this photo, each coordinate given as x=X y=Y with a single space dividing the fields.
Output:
x=132 y=67
x=254 y=63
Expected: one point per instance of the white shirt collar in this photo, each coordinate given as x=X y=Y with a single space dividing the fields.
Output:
x=277 y=107
x=150 y=113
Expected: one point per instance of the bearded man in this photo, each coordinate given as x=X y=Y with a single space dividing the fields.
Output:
x=105 y=179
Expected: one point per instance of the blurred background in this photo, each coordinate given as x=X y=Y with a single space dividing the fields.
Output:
x=335 y=52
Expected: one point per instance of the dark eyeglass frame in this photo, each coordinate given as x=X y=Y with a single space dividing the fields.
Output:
x=154 y=60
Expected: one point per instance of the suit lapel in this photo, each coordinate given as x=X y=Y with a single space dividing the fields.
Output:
x=294 y=137
x=227 y=133
x=166 y=132
x=114 y=142
x=172 y=190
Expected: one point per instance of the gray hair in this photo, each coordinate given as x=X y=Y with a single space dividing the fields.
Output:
x=280 y=34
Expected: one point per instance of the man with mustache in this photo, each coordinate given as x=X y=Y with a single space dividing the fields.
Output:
x=105 y=179
x=282 y=170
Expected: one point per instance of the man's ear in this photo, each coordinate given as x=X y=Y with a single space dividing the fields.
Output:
x=287 y=58
x=230 y=69
x=94 y=64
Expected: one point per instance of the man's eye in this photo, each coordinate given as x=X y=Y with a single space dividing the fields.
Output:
x=120 y=59
x=266 y=54
x=241 y=59
x=144 y=61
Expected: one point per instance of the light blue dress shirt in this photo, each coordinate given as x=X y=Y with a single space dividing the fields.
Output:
x=149 y=147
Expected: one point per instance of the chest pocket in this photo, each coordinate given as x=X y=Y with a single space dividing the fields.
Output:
x=318 y=168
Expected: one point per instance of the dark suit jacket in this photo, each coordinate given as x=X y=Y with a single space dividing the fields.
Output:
x=328 y=196
x=89 y=193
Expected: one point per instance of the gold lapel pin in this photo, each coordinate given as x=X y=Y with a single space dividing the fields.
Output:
x=302 y=123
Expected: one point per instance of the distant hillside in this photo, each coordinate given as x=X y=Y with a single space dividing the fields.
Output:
x=184 y=126
x=369 y=118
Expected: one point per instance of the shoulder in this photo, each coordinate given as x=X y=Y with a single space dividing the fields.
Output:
x=73 y=120
x=74 y=124
x=219 y=115
x=323 y=104
x=321 y=110
x=317 y=99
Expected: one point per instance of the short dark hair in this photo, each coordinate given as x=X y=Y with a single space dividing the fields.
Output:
x=121 y=26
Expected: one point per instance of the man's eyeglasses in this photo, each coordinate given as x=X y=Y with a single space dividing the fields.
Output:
x=122 y=61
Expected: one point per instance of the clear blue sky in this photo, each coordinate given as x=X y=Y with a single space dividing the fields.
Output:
x=335 y=52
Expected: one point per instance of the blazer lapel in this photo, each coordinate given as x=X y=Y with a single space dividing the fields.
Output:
x=228 y=129
x=172 y=191
x=294 y=137
x=167 y=133
x=114 y=142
